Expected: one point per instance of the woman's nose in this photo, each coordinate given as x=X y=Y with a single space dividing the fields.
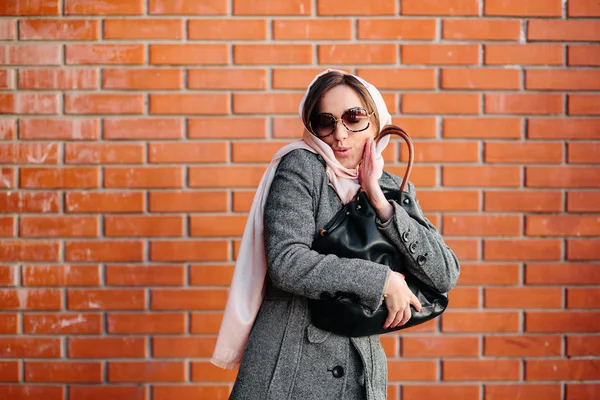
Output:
x=340 y=131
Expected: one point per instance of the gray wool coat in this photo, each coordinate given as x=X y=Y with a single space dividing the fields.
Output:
x=286 y=356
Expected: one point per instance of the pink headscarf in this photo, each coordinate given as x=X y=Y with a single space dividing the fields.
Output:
x=247 y=287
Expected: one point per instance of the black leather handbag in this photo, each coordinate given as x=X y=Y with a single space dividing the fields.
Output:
x=353 y=233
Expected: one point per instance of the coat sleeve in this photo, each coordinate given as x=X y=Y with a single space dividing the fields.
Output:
x=289 y=229
x=427 y=256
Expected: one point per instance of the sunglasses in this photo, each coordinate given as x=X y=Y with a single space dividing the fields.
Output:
x=354 y=120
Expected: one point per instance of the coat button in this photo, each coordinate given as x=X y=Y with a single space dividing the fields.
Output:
x=421 y=260
x=337 y=372
x=405 y=236
x=412 y=247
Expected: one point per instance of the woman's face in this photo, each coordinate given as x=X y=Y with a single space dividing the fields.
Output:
x=347 y=146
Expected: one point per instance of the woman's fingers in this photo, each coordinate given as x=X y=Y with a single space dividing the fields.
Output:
x=415 y=302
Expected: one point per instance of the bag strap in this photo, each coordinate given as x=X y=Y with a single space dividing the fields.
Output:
x=395 y=130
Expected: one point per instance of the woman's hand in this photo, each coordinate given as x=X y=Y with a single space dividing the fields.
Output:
x=398 y=299
x=369 y=172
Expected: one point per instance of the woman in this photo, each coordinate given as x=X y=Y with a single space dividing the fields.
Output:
x=266 y=324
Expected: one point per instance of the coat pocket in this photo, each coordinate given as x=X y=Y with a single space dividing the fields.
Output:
x=316 y=335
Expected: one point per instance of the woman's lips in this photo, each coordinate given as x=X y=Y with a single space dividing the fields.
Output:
x=342 y=151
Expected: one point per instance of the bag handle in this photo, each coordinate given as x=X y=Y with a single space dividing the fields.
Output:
x=395 y=130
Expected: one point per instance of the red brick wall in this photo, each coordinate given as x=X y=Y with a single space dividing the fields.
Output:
x=133 y=134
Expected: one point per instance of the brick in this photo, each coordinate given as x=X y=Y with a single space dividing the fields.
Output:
x=445 y=391
x=287 y=127
x=583 y=201
x=484 y=78
x=563 y=30
x=262 y=103
x=205 y=371
x=189 y=103
x=523 y=297
x=58 y=129
x=314 y=29
x=8 y=323
x=582 y=391
x=480 y=321
x=7 y=81
x=242 y=200
x=372 y=53
x=440 y=103
x=187 y=7
x=555 y=79
x=26 y=347
x=104 y=250
x=561 y=370
x=187 y=152
x=523 y=54
x=30 y=299
x=210 y=275
x=167 y=392
x=421 y=175
x=284 y=7
x=106 y=299
x=182 y=347
x=227 y=29
x=561 y=225
x=490 y=274
x=432 y=346
x=481 y=225
x=356 y=7
x=8 y=275
x=7 y=178
x=107 y=347
x=444 y=151
x=84 y=392
x=63 y=323
x=146 y=323
x=412 y=370
x=60 y=275
x=562 y=321
x=488 y=370
x=10 y=371
x=149 y=371
x=152 y=29
x=205 y=322
x=415 y=29
x=273 y=54
x=43 y=227
x=583 y=298
x=248 y=152
x=63 y=371
x=563 y=177
x=526 y=391
x=7 y=226
x=143 y=177
x=142 y=128
x=72 y=29
x=449 y=200
x=59 y=178
x=104 y=202
x=563 y=128
x=524 y=8
x=583 y=152
x=58 y=79
x=524 y=201
x=143 y=226
x=498 y=176
x=444 y=54
x=8 y=29
x=523 y=152
x=104 y=153
x=464 y=127
x=28 y=153
x=104 y=7
x=217 y=225
x=188 y=201
x=439 y=7
x=241 y=79
x=583 y=55
x=225 y=177
x=523 y=103
x=399 y=78
x=583 y=104
x=189 y=250
x=36 y=7
x=524 y=249
x=29 y=103
x=104 y=103
x=142 y=79
x=189 y=54
x=583 y=345
x=562 y=274
x=104 y=54
x=23 y=391
x=147 y=275
x=583 y=249
x=30 y=54
x=483 y=29
x=7 y=128
x=583 y=8
x=227 y=128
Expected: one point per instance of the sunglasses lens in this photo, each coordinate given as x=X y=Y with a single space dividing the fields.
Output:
x=323 y=124
x=356 y=119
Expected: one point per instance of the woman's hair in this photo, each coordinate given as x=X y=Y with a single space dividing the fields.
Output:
x=328 y=81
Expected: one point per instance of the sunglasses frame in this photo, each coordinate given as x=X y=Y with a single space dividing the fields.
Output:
x=335 y=121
